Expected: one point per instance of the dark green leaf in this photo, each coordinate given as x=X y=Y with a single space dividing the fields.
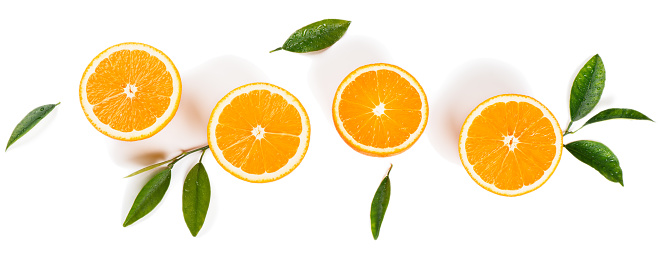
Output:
x=148 y=168
x=587 y=88
x=316 y=36
x=149 y=197
x=196 y=198
x=617 y=114
x=379 y=205
x=599 y=157
x=28 y=122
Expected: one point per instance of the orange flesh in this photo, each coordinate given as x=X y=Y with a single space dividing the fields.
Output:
x=125 y=74
x=510 y=145
x=400 y=117
x=258 y=132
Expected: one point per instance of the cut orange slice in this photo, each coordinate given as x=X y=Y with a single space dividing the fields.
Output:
x=380 y=110
x=130 y=91
x=510 y=144
x=259 y=132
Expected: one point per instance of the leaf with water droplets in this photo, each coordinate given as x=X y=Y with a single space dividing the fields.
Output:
x=316 y=36
x=617 y=114
x=29 y=121
x=149 y=197
x=379 y=204
x=599 y=157
x=587 y=88
x=196 y=198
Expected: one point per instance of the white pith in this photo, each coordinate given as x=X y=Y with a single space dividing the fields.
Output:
x=257 y=132
x=511 y=142
x=380 y=109
x=130 y=91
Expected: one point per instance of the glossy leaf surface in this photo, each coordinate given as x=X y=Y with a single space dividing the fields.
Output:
x=599 y=157
x=29 y=121
x=196 y=198
x=379 y=205
x=587 y=88
x=617 y=114
x=316 y=36
x=149 y=197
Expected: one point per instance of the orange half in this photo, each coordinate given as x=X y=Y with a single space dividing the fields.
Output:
x=380 y=110
x=130 y=91
x=259 y=132
x=510 y=144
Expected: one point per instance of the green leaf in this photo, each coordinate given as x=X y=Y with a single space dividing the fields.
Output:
x=316 y=36
x=587 y=88
x=148 y=168
x=599 y=157
x=28 y=122
x=149 y=197
x=617 y=114
x=196 y=198
x=379 y=204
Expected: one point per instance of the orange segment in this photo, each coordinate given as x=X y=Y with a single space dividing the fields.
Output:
x=130 y=91
x=259 y=132
x=510 y=144
x=380 y=110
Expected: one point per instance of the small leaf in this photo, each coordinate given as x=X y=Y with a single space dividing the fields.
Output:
x=149 y=197
x=599 y=157
x=196 y=198
x=28 y=122
x=587 y=88
x=379 y=204
x=148 y=168
x=316 y=36
x=617 y=114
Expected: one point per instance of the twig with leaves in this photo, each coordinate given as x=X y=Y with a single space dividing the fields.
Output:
x=196 y=192
x=585 y=94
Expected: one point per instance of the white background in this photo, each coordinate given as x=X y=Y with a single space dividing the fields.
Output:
x=63 y=196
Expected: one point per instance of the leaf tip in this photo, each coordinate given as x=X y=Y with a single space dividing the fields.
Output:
x=375 y=233
x=9 y=143
x=597 y=57
x=58 y=103
x=130 y=219
x=276 y=49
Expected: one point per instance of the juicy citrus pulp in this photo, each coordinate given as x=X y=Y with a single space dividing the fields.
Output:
x=259 y=132
x=380 y=110
x=510 y=144
x=130 y=91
